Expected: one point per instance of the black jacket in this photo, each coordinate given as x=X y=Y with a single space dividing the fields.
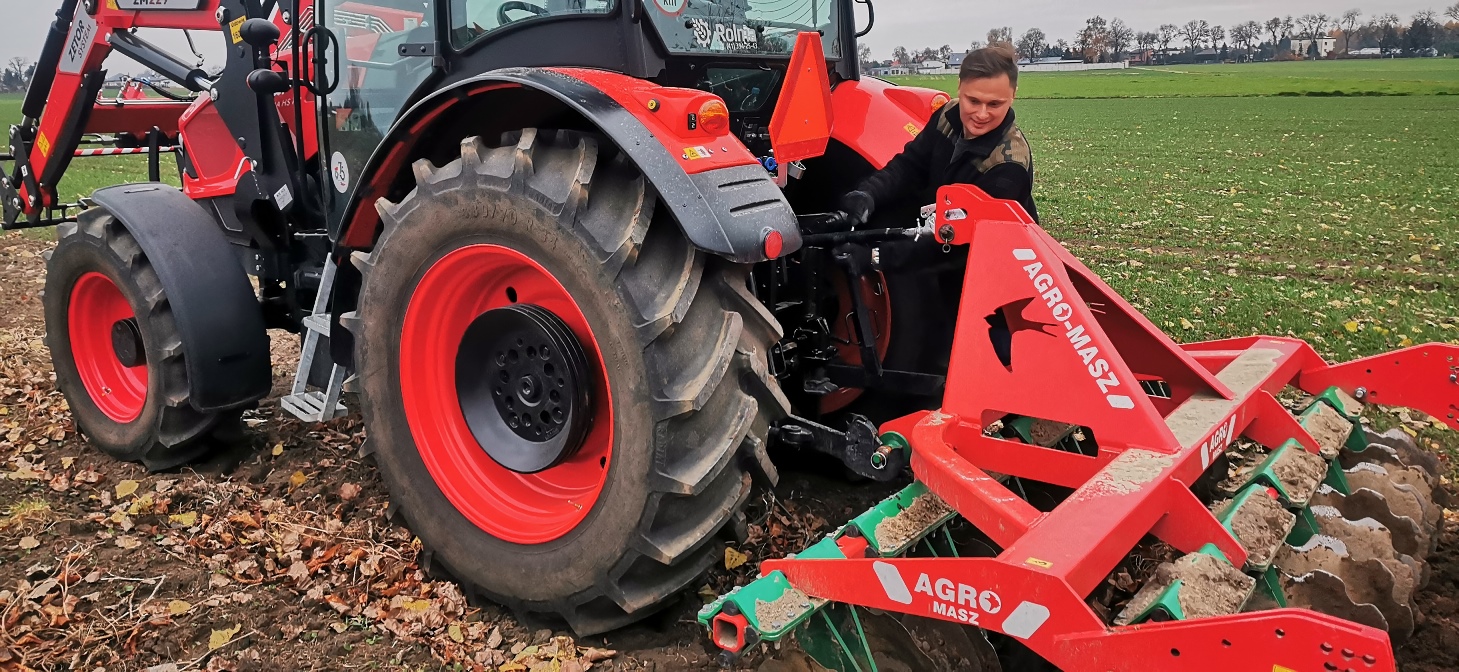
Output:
x=999 y=162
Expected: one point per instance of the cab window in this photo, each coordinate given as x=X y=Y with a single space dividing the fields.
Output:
x=473 y=19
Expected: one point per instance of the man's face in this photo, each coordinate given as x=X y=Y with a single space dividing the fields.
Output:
x=984 y=104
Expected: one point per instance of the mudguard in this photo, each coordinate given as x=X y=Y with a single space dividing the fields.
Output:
x=877 y=119
x=726 y=203
x=225 y=342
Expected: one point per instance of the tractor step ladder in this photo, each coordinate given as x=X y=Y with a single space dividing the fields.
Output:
x=317 y=405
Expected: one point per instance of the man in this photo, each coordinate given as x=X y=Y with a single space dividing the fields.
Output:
x=971 y=141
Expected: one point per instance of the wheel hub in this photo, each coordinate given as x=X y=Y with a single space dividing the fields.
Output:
x=126 y=342
x=521 y=377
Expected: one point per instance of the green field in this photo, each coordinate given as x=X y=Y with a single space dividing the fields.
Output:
x=1328 y=218
x=1404 y=77
x=86 y=175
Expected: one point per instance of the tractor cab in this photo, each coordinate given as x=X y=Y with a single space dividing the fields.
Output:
x=394 y=53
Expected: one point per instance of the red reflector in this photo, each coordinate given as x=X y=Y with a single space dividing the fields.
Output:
x=774 y=244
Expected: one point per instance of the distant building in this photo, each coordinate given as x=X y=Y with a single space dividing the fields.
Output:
x=1303 y=47
x=1366 y=51
x=1142 y=57
x=956 y=59
x=931 y=66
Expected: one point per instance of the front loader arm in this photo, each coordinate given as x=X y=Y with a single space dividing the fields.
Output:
x=61 y=106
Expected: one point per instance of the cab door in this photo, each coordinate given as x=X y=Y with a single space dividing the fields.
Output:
x=382 y=50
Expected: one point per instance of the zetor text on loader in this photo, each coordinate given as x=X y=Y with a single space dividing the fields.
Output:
x=568 y=255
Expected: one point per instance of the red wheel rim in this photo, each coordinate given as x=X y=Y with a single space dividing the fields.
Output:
x=519 y=508
x=96 y=306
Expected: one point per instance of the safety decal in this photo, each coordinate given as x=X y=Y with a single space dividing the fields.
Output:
x=696 y=153
x=672 y=7
x=913 y=130
x=235 y=28
x=339 y=173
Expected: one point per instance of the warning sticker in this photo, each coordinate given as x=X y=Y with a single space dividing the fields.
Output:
x=696 y=153
x=672 y=7
x=339 y=173
x=912 y=129
x=235 y=28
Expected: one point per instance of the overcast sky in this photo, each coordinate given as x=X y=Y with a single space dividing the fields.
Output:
x=909 y=23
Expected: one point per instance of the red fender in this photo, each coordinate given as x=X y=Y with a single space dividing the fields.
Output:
x=877 y=119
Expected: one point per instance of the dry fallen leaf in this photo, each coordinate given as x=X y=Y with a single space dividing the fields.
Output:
x=27 y=543
x=494 y=639
x=455 y=633
x=733 y=558
x=128 y=542
x=278 y=450
x=178 y=607
x=349 y=491
x=1352 y=327
x=297 y=479
x=126 y=488
x=184 y=519
x=222 y=637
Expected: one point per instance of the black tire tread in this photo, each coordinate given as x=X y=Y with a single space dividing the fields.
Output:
x=703 y=341
x=181 y=433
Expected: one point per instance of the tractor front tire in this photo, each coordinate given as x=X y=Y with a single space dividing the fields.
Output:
x=116 y=350
x=560 y=229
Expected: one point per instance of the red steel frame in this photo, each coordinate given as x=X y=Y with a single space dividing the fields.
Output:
x=1077 y=354
x=55 y=138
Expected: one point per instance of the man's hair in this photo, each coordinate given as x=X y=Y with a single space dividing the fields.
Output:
x=990 y=62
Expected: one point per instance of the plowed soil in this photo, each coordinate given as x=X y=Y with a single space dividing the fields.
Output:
x=281 y=554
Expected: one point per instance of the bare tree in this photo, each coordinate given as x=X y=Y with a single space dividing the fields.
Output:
x=16 y=75
x=1287 y=26
x=1217 y=35
x=1423 y=32
x=863 y=53
x=1348 y=23
x=1032 y=44
x=902 y=56
x=975 y=45
x=1119 y=38
x=1000 y=37
x=1313 y=27
x=1453 y=11
x=1385 y=28
x=1194 y=33
x=1274 y=27
x=1093 y=39
x=1168 y=33
x=1243 y=33
x=1146 y=40
x=944 y=53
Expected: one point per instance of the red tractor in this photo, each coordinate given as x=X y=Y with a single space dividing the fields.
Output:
x=574 y=301
x=572 y=259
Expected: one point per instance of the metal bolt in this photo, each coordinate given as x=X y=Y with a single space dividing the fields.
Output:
x=1360 y=393
x=947 y=232
x=213 y=93
x=1454 y=378
x=288 y=19
x=218 y=15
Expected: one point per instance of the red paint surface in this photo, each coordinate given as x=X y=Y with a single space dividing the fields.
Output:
x=96 y=304
x=519 y=508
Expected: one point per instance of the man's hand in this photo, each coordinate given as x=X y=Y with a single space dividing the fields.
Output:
x=858 y=206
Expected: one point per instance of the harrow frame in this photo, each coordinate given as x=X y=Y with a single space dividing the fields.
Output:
x=1072 y=333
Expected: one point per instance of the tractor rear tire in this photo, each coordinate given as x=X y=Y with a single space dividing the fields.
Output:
x=676 y=348
x=103 y=302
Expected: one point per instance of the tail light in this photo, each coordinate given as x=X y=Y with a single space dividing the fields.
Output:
x=940 y=101
x=714 y=118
